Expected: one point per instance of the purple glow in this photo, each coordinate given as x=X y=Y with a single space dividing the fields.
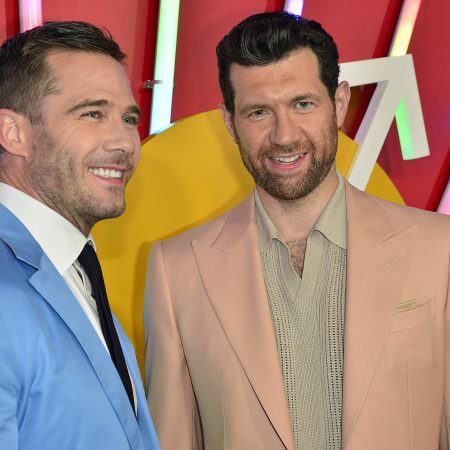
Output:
x=294 y=6
x=444 y=207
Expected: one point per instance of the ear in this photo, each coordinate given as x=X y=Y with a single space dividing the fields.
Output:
x=15 y=133
x=228 y=119
x=342 y=99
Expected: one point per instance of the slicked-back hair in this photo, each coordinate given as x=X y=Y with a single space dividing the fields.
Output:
x=25 y=76
x=266 y=38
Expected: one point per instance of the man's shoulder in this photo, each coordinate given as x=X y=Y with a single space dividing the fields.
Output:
x=20 y=257
x=14 y=276
x=397 y=214
x=17 y=300
x=10 y=263
x=16 y=240
x=208 y=232
x=12 y=229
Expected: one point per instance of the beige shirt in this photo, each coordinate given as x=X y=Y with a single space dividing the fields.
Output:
x=308 y=317
x=332 y=225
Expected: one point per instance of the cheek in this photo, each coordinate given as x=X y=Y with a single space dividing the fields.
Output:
x=251 y=138
x=78 y=144
x=137 y=148
x=137 y=156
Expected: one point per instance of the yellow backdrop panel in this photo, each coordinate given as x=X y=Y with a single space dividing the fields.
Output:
x=187 y=175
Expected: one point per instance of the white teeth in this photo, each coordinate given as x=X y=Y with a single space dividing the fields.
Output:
x=106 y=173
x=289 y=159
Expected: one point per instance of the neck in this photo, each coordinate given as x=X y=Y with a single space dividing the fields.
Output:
x=294 y=219
x=16 y=181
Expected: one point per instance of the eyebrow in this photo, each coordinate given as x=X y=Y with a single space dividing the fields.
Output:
x=306 y=96
x=134 y=109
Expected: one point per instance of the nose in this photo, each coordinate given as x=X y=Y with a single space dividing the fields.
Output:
x=121 y=137
x=285 y=132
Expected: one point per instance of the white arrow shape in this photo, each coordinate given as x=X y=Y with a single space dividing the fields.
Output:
x=396 y=83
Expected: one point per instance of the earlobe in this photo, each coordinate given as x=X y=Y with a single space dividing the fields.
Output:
x=342 y=99
x=12 y=136
x=227 y=118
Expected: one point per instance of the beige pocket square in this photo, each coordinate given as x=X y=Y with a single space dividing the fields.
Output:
x=407 y=306
x=411 y=314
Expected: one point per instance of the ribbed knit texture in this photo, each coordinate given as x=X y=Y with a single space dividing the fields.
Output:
x=310 y=337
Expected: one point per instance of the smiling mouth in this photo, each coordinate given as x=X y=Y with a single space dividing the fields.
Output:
x=106 y=173
x=287 y=159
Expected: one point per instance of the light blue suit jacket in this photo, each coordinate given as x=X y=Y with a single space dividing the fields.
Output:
x=59 y=388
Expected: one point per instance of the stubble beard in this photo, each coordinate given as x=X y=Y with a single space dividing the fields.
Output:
x=58 y=181
x=284 y=186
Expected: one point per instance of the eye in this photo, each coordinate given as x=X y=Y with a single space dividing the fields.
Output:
x=257 y=113
x=303 y=105
x=92 y=114
x=130 y=120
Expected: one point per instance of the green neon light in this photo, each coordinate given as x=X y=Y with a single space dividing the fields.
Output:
x=404 y=131
x=400 y=43
x=166 y=49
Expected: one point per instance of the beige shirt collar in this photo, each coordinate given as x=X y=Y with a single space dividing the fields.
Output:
x=332 y=222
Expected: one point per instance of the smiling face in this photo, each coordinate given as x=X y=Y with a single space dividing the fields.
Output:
x=87 y=146
x=285 y=124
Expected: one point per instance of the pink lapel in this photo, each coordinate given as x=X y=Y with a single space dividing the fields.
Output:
x=378 y=261
x=232 y=275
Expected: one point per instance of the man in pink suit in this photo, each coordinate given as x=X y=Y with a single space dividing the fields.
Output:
x=312 y=315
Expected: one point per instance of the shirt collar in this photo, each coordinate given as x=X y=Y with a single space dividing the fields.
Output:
x=332 y=222
x=60 y=240
x=266 y=228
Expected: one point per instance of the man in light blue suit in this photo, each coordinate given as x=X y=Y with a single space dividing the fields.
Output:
x=68 y=146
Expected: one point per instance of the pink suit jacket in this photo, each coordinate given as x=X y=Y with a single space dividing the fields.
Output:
x=213 y=372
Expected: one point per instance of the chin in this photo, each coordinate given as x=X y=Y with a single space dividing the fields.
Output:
x=103 y=213
x=116 y=212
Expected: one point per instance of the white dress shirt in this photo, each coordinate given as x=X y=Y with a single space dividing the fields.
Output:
x=62 y=242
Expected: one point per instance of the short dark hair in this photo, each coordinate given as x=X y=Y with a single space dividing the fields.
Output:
x=25 y=76
x=266 y=38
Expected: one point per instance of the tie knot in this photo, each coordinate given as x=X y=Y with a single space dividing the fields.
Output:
x=87 y=255
x=89 y=260
x=88 y=251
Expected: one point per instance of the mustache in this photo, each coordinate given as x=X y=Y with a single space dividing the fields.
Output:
x=125 y=161
x=296 y=147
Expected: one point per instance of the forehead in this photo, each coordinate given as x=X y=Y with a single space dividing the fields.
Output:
x=297 y=72
x=85 y=74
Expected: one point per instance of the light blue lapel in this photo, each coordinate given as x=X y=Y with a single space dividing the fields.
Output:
x=54 y=290
x=13 y=233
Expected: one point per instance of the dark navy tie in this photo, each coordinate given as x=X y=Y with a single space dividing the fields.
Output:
x=91 y=265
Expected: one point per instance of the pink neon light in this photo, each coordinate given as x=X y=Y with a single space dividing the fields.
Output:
x=444 y=207
x=405 y=25
x=30 y=14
